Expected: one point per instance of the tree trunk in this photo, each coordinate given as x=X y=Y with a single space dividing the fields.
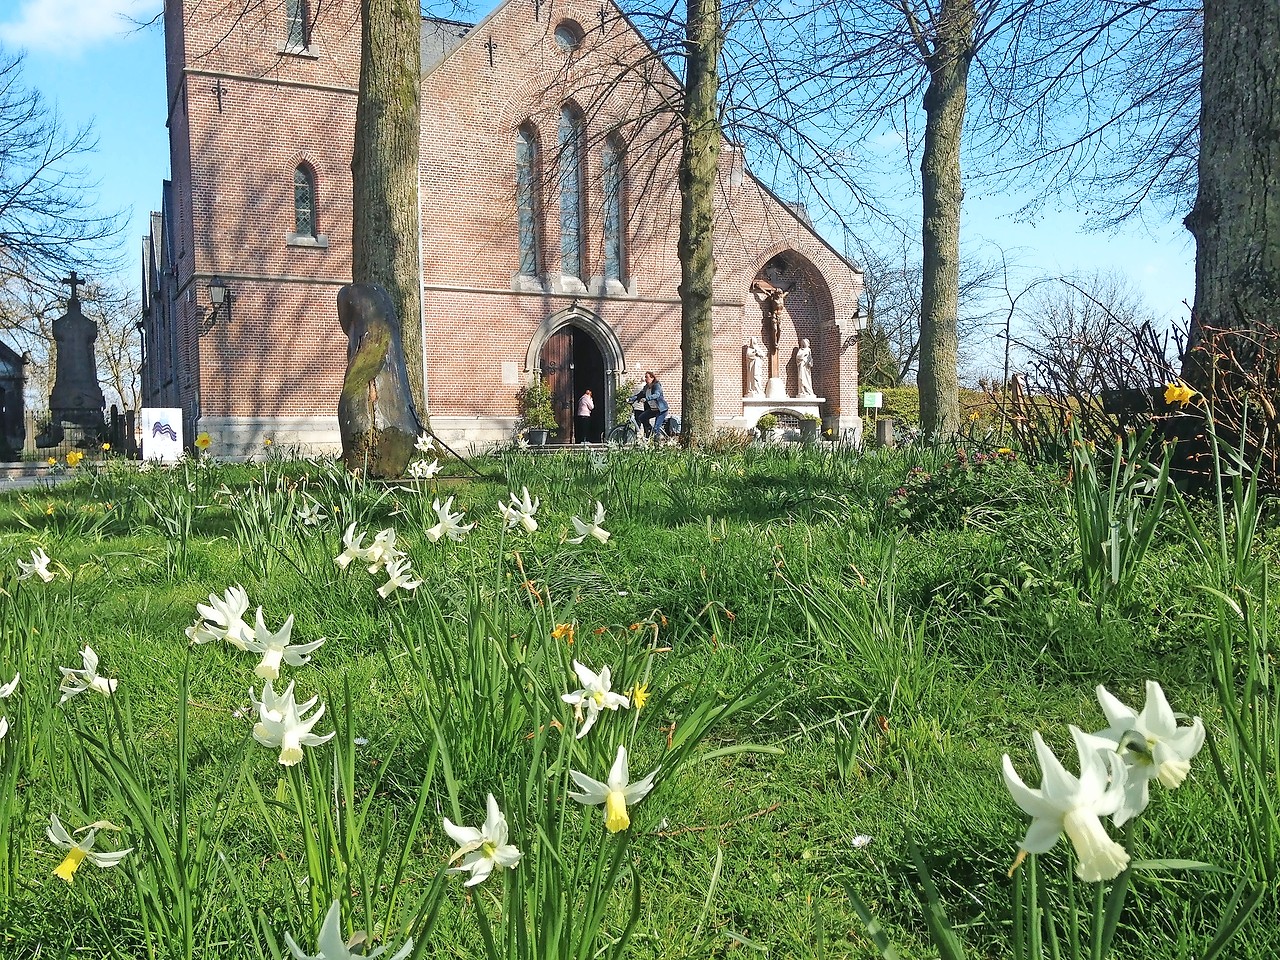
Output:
x=386 y=234
x=944 y=107
x=698 y=162
x=1236 y=217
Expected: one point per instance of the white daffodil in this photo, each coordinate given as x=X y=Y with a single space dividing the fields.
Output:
x=78 y=681
x=352 y=550
x=38 y=567
x=448 y=525
x=615 y=793
x=424 y=444
x=595 y=696
x=331 y=946
x=79 y=851
x=592 y=529
x=4 y=726
x=276 y=647
x=6 y=690
x=223 y=619
x=281 y=723
x=481 y=850
x=1064 y=803
x=421 y=470
x=310 y=514
x=400 y=577
x=1151 y=743
x=521 y=510
x=383 y=550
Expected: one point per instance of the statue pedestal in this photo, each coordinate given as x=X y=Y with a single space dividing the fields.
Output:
x=753 y=408
x=775 y=389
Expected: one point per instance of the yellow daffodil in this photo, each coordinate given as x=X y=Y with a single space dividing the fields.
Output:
x=203 y=441
x=106 y=447
x=78 y=852
x=615 y=793
x=563 y=631
x=1178 y=393
x=53 y=461
x=74 y=458
x=639 y=695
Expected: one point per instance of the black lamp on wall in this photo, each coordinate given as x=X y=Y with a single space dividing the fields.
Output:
x=220 y=297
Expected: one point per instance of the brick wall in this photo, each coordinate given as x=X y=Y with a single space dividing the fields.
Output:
x=244 y=114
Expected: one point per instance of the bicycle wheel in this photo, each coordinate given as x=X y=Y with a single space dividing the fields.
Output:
x=623 y=434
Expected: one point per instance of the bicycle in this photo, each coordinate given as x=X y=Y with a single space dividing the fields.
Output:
x=625 y=434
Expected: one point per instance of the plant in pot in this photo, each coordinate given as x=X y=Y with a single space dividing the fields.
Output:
x=766 y=425
x=809 y=424
x=537 y=416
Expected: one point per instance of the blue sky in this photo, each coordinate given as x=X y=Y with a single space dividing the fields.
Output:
x=97 y=68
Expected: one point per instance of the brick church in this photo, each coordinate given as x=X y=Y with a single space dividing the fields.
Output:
x=549 y=208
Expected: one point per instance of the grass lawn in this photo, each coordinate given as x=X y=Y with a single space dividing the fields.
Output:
x=824 y=654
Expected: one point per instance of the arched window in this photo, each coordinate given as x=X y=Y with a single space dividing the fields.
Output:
x=296 y=25
x=304 y=201
x=527 y=199
x=570 y=147
x=613 y=175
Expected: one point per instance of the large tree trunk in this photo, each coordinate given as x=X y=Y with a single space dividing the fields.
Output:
x=698 y=162
x=1236 y=217
x=386 y=234
x=944 y=107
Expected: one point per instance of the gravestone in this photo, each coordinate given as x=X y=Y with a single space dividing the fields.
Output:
x=76 y=402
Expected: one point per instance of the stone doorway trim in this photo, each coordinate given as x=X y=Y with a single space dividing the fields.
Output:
x=615 y=363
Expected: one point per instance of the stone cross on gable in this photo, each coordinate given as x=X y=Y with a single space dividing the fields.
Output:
x=73 y=282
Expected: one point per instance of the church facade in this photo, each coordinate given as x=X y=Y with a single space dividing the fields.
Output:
x=549 y=207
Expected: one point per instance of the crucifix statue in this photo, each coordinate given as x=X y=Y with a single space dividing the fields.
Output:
x=774 y=302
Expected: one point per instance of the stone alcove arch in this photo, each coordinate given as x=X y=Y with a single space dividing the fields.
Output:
x=581 y=351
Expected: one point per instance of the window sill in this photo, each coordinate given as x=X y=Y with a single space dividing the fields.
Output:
x=567 y=284
x=526 y=283
x=320 y=242
x=599 y=286
x=291 y=50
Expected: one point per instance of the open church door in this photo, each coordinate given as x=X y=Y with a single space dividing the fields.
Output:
x=571 y=364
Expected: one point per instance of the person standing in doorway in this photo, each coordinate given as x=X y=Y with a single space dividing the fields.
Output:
x=586 y=404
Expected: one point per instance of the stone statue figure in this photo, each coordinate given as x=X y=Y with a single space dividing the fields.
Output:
x=804 y=370
x=376 y=416
x=757 y=356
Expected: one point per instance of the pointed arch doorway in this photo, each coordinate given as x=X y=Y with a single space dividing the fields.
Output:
x=571 y=363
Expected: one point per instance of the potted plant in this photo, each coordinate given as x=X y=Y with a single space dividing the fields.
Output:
x=766 y=425
x=537 y=416
x=831 y=422
x=809 y=428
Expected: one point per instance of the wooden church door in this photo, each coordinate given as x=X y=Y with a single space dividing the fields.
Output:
x=571 y=363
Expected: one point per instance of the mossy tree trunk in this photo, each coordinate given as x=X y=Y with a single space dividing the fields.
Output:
x=386 y=233
x=698 y=162
x=947 y=55
x=1236 y=217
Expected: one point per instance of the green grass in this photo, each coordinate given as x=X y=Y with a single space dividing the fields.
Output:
x=846 y=645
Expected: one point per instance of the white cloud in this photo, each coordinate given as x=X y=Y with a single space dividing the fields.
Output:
x=70 y=26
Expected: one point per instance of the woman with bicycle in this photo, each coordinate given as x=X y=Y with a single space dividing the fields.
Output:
x=655 y=405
